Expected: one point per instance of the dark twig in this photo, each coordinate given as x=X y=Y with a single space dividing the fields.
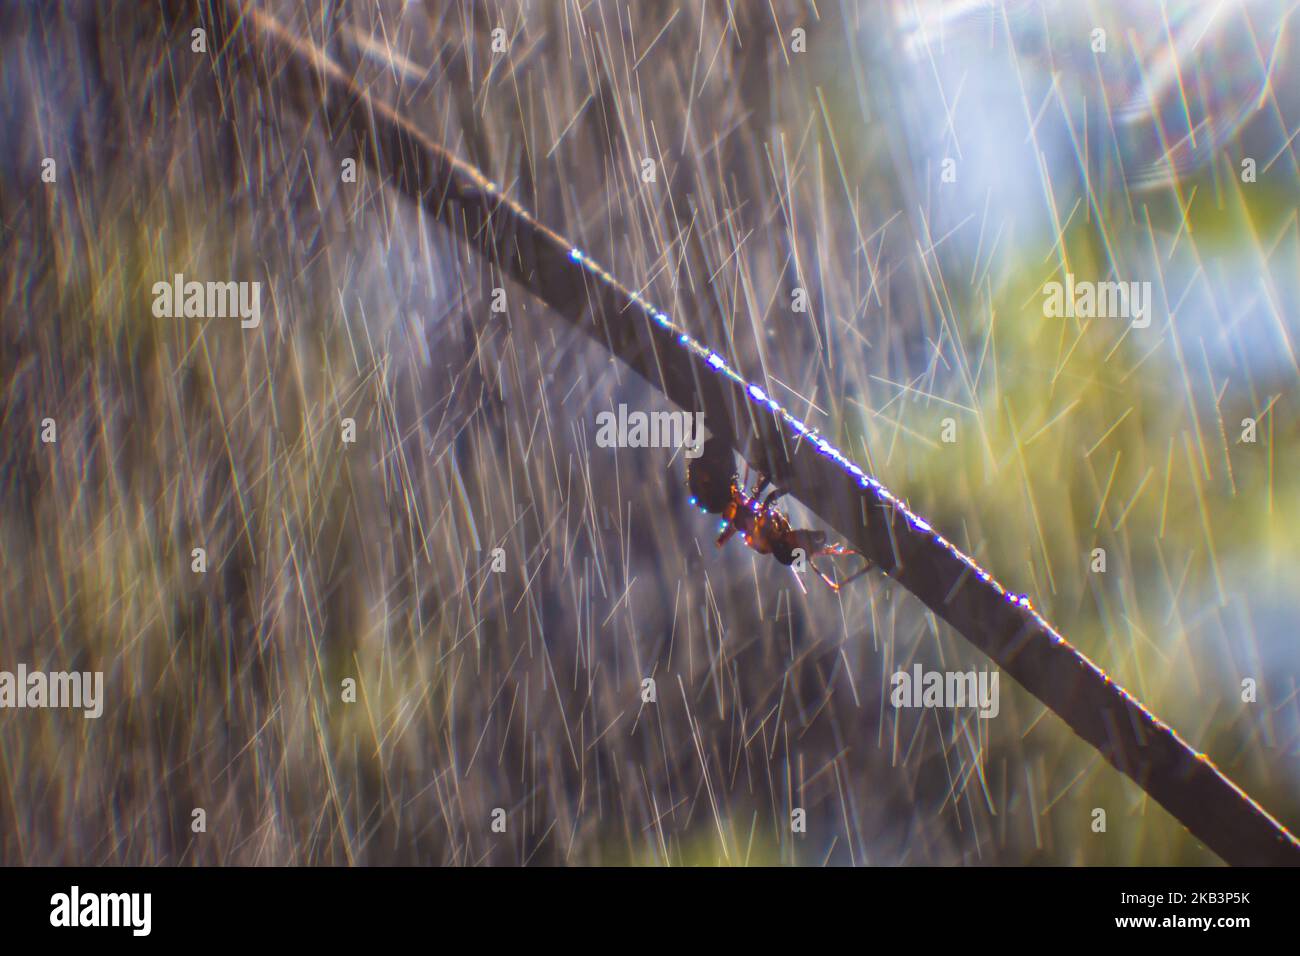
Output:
x=1001 y=624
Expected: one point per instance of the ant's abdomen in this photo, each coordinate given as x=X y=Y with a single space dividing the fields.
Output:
x=711 y=478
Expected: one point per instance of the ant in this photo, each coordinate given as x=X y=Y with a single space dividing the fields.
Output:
x=716 y=488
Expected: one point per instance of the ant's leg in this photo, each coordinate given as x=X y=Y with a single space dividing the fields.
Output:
x=856 y=574
x=775 y=493
x=726 y=535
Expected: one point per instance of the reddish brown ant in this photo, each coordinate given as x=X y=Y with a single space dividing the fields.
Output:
x=716 y=488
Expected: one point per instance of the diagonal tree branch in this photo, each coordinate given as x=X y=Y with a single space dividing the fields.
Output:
x=1003 y=625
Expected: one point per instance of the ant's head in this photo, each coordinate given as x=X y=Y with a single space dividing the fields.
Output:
x=811 y=542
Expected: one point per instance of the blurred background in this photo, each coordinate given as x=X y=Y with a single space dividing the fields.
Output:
x=921 y=169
